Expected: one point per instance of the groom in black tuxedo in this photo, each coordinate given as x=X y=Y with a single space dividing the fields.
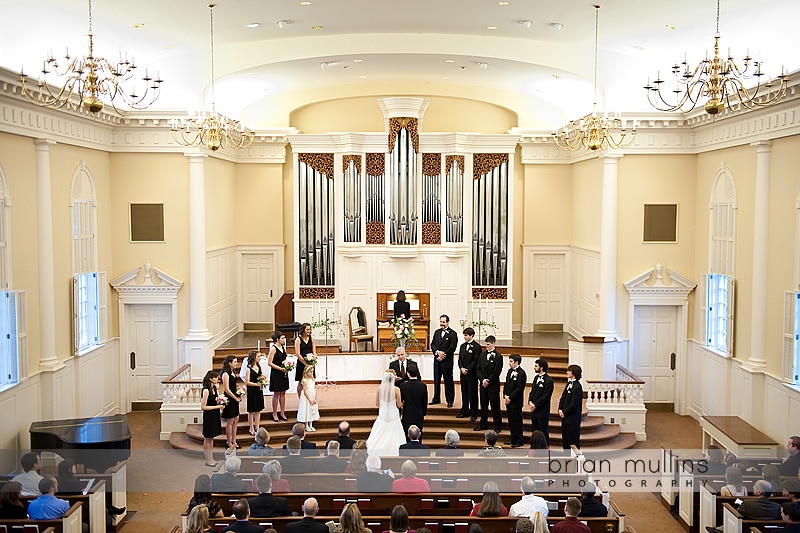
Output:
x=414 y=394
x=488 y=369
x=443 y=347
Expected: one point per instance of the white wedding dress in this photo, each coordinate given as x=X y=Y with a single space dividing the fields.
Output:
x=387 y=432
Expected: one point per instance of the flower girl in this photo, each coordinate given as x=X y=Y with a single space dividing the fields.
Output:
x=307 y=409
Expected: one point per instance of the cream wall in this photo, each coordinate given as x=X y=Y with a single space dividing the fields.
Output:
x=220 y=193
x=587 y=181
x=153 y=178
x=258 y=211
x=287 y=179
x=547 y=212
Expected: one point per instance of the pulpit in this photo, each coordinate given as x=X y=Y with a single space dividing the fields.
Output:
x=420 y=303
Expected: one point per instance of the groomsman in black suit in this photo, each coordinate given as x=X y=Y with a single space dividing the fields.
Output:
x=570 y=407
x=400 y=366
x=414 y=394
x=467 y=362
x=539 y=399
x=488 y=369
x=513 y=397
x=443 y=347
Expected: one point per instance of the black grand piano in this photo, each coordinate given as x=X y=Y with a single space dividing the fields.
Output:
x=97 y=443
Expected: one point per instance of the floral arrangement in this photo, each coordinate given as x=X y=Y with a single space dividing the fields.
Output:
x=310 y=359
x=222 y=400
x=263 y=381
x=241 y=391
x=289 y=363
x=403 y=328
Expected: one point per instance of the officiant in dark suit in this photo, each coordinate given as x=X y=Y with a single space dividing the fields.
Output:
x=489 y=367
x=414 y=394
x=401 y=365
x=443 y=347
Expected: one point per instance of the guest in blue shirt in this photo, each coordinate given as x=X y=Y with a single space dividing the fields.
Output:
x=47 y=506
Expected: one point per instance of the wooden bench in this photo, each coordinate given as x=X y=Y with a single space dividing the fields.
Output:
x=71 y=522
x=28 y=528
x=737 y=436
x=733 y=522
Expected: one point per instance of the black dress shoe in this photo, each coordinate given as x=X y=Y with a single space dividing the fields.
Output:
x=434 y=402
x=450 y=404
x=115 y=511
x=498 y=430
x=508 y=443
x=461 y=415
x=480 y=428
x=473 y=418
x=518 y=445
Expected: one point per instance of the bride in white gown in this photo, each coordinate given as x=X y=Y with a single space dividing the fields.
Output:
x=387 y=432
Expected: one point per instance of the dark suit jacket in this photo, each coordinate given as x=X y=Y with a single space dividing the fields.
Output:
x=227 y=483
x=306 y=525
x=542 y=392
x=760 y=508
x=468 y=355
x=490 y=370
x=414 y=447
x=515 y=387
x=591 y=507
x=330 y=463
x=789 y=467
x=267 y=506
x=243 y=526
x=395 y=365
x=414 y=394
x=345 y=442
x=373 y=482
x=307 y=449
x=296 y=464
x=445 y=340
x=571 y=402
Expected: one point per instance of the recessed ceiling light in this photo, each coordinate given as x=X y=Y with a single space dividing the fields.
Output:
x=670 y=27
x=252 y=25
x=503 y=4
x=137 y=25
x=483 y=65
x=444 y=78
x=557 y=76
x=526 y=23
x=491 y=27
x=283 y=23
x=449 y=60
x=358 y=61
x=305 y=3
x=556 y=25
x=362 y=77
x=316 y=27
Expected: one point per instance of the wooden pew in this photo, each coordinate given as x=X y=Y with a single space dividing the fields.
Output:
x=71 y=522
x=93 y=503
x=733 y=522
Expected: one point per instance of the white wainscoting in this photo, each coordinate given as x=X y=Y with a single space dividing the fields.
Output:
x=97 y=381
x=222 y=294
x=584 y=287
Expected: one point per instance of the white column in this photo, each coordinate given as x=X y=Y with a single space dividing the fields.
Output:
x=197 y=247
x=758 y=324
x=44 y=218
x=607 y=326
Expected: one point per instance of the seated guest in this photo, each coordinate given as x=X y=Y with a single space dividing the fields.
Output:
x=202 y=496
x=398 y=522
x=47 y=506
x=374 y=479
x=529 y=503
x=331 y=462
x=540 y=523
x=771 y=474
x=30 y=479
x=715 y=465
x=275 y=471
x=491 y=504
x=294 y=463
x=451 y=449
x=10 y=504
x=67 y=482
x=791 y=490
x=260 y=446
x=790 y=514
x=589 y=504
x=733 y=483
x=791 y=463
x=228 y=482
x=358 y=458
x=491 y=449
x=308 y=524
x=539 y=446
x=570 y=524
x=523 y=525
x=343 y=438
x=761 y=507
x=350 y=520
x=414 y=446
x=197 y=521
x=241 y=510
x=309 y=449
x=410 y=482
x=265 y=505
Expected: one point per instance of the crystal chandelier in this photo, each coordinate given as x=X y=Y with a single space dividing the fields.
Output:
x=720 y=81
x=87 y=82
x=211 y=128
x=594 y=131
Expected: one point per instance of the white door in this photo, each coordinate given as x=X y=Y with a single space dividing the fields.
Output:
x=151 y=351
x=654 y=346
x=258 y=289
x=548 y=289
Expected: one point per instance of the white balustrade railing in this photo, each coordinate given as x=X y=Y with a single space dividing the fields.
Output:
x=626 y=389
x=181 y=389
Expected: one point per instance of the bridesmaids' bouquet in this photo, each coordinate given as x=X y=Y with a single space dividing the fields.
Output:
x=222 y=400
x=310 y=359
x=241 y=392
x=289 y=363
x=263 y=381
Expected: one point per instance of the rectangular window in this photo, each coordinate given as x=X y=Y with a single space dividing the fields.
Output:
x=13 y=337
x=791 y=337
x=719 y=325
x=796 y=335
x=86 y=311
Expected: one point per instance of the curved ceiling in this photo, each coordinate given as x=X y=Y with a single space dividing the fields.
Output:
x=378 y=47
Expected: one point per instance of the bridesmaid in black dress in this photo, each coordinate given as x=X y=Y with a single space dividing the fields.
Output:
x=212 y=423
x=255 y=393
x=278 y=376
x=231 y=411
x=303 y=345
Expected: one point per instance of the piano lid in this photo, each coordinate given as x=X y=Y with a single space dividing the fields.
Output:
x=86 y=431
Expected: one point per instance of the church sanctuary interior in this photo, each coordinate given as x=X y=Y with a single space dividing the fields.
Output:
x=614 y=186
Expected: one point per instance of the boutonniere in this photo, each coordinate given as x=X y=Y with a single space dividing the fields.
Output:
x=514 y=375
x=541 y=385
x=469 y=349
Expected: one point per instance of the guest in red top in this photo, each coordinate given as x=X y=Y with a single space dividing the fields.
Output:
x=571 y=524
x=410 y=482
x=275 y=471
x=491 y=504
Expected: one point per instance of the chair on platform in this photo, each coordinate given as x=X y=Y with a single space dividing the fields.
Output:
x=357 y=323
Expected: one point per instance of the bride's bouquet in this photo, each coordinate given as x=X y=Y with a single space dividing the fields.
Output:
x=289 y=363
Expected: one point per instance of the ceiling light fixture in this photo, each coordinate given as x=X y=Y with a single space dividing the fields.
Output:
x=720 y=82
x=211 y=129
x=316 y=27
x=556 y=25
x=305 y=3
x=491 y=27
x=325 y=65
x=282 y=23
x=449 y=60
x=483 y=65
x=358 y=61
x=252 y=25
x=87 y=82
x=593 y=131
x=526 y=23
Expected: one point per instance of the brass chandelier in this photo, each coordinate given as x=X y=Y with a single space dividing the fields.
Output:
x=720 y=82
x=87 y=82
x=211 y=128
x=594 y=131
